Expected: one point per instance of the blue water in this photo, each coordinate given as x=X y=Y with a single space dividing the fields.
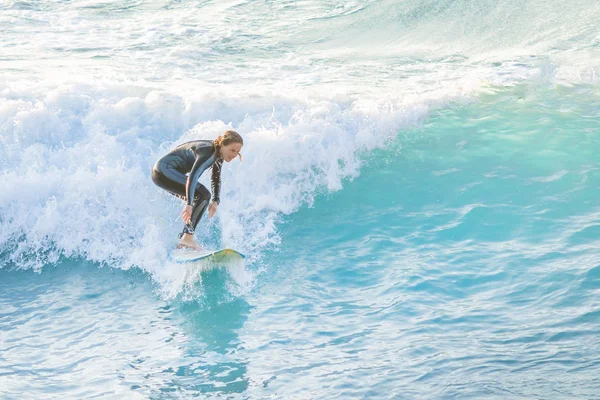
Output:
x=416 y=200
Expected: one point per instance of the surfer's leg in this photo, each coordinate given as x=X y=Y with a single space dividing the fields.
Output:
x=174 y=182
x=201 y=200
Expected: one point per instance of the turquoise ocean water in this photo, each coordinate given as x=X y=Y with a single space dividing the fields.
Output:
x=417 y=200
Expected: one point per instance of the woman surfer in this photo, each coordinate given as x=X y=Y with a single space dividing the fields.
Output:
x=178 y=173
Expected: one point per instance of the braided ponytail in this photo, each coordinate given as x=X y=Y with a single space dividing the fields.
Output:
x=218 y=142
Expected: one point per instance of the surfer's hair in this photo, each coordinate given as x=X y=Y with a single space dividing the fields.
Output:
x=228 y=138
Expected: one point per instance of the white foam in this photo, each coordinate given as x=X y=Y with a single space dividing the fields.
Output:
x=77 y=161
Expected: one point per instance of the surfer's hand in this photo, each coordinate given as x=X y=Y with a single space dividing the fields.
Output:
x=186 y=214
x=212 y=209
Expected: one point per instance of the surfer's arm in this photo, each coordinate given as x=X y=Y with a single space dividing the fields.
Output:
x=192 y=180
x=204 y=159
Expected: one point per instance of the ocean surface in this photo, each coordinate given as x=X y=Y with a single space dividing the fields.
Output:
x=418 y=199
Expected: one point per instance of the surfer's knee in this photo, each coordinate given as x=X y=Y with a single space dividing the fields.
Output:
x=202 y=193
x=156 y=177
x=158 y=174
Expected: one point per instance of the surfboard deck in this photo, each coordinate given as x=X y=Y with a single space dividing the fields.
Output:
x=187 y=256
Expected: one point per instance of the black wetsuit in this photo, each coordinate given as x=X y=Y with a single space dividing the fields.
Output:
x=170 y=173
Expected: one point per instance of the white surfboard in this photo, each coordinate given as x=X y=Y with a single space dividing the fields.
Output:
x=188 y=256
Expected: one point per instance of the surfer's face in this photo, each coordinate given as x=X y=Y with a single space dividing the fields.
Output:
x=231 y=151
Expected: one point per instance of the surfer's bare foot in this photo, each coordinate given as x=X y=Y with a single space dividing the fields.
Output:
x=187 y=242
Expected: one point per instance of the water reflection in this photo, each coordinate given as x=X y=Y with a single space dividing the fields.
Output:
x=213 y=346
